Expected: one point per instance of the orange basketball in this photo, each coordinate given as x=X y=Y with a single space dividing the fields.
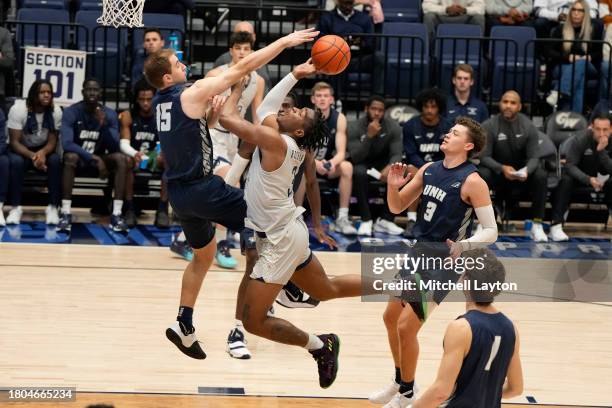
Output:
x=330 y=54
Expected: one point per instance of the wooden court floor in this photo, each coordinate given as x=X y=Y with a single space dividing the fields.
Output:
x=93 y=317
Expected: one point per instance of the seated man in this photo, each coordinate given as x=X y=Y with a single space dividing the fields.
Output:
x=454 y=12
x=138 y=139
x=4 y=167
x=511 y=160
x=33 y=129
x=152 y=43
x=422 y=136
x=90 y=138
x=499 y=12
x=331 y=160
x=374 y=143
x=588 y=162
x=462 y=101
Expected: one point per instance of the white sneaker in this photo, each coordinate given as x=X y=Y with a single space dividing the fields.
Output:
x=187 y=343
x=400 y=401
x=344 y=226
x=365 y=228
x=236 y=345
x=2 y=220
x=537 y=233
x=52 y=215
x=14 y=216
x=557 y=234
x=387 y=227
x=384 y=395
x=553 y=98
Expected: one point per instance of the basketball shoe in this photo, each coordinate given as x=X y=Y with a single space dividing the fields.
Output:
x=401 y=400
x=384 y=395
x=236 y=345
x=327 y=359
x=185 y=340
x=293 y=297
x=181 y=248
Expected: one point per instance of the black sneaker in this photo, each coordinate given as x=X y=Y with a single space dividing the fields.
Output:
x=65 y=222
x=327 y=359
x=130 y=218
x=293 y=297
x=162 y=220
x=117 y=224
x=186 y=342
x=408 y=230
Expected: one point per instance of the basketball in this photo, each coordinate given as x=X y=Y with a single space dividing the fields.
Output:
x=331 y=54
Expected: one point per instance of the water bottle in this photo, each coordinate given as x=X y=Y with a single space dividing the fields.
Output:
x=144 y=162
x=173 y=41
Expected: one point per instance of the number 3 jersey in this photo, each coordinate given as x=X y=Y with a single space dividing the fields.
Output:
x=442 y=214
x=269 y=194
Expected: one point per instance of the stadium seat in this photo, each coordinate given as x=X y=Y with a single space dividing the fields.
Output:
x=407 y=59
x=403 y=11
x=40 y=33
x=89 y=5
x=563 y=125
x=109 y=45
x=45 y=4
x=451 y=51
x=513 y=60
x=167 y=23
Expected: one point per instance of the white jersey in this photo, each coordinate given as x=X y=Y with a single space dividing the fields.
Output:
x=269 y=195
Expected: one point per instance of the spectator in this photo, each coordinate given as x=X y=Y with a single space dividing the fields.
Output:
x=33 y=130
x=90 y=138
x=347 y=22
x=4 y=167
x=7 y=60
x=138 y=140
x=153 y=42
x=462 y=102
x=226 y=57
x=331 y=160
x=550 y=13
x=452 y=11
x=586 y=155
x=577 y=60
x=510 y=159
x=374 y=143
x=422 y=136
x=169 y=7
x=508 y=12
x=605 y=7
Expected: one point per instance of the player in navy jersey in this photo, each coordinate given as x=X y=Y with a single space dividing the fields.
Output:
x=138 y=139
x=481 y=347
x=198 y=197
x=450 y=191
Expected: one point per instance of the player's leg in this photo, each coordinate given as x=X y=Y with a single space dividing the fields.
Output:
x=223 y=256
x=162 y=220
x=4 y=184
x=344 y=171
x=54 y=185
x=117 y=163
x=18 y=168
x=312 y=279
x=412 y=209
x=130 y=215
x=71 y=161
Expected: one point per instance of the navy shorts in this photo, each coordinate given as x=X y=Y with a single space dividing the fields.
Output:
x=199 y=204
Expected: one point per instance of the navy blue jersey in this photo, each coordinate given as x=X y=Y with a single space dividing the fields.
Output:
x=186 y=143
x=442 y=214
x=422 y=143
x=484 y=369
x=474 y=108
x=143 y=133
x=328 y=151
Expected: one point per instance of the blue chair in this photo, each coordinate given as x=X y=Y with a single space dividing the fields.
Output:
x=513 y=58
x=89 y=5
x=407 y=59
x=450 y=51
x=45 y=4
x=34 y=29
x=108 y=44
x=403 y=11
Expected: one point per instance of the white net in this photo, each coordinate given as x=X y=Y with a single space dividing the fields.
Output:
x=122 y=13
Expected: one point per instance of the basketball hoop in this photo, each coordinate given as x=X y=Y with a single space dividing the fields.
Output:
x=122 y=13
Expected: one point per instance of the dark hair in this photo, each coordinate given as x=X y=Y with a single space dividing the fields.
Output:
x=158 y=65
x=293 y=96
x=375 y=98
x=32 y=99
x=484 y=267
x=476 y=132
x=91 y=79
x=141 y=85
x=241 y=37
x=315 y=132
x=153 y=30
x=601 y=115
x=431 y=94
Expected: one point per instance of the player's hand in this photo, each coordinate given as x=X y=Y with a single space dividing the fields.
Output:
x=138 y=158
x=40 y=160
x=398 y=175
x=217 y=102
x=602 y=144
x=102 y=170
x=323 y=238
x=300 y=37
x=455 y=248
x=508 y=172
x=304 y=70
x=320 y=167
x=374 y=128
x=596 y=184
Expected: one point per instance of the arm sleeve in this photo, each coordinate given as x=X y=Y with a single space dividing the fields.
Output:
x=357 y=148
x=67 y=136
x=487 y=159
x=274 y=99
x=410 y=147
x=475 y=7
x=433 y=6
x=573 y=152
x=533 y=159
x=126 y=148
x=488 y=234
x=395 y=145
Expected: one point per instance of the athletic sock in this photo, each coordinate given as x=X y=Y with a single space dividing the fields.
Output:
x=398 y=375
x=406 y=388
x=343 y=212
x=181 y=237
x=314 y=343
x=117 y=207
x=412 y=216
x=238 y=324
x=66 y=204
x=185 y=318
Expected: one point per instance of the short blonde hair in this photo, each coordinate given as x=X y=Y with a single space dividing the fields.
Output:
x=319 y=86
x=157 y=65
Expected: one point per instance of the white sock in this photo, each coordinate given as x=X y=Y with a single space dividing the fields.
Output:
x=412 y=216
x=66 y=204
x=239 y=323
x=1 y=205
x=181 y=237
x=314 y=343
x=343 y=213
x=238 y=165
x=117 y=207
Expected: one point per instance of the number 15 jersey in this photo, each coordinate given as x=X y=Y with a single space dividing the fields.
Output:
x=442 y=214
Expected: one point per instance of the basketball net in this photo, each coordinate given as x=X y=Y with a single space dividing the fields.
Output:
x=122 y=13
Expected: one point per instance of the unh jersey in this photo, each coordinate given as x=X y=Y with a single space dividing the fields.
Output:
x=248 y=94
x=484 y=369
x=143 y=133
x=188 y=151
x=269 y=195
x=442 y=214
x=327 y=152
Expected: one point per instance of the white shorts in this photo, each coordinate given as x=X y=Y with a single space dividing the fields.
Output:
x=278 y=262
x=225 y=146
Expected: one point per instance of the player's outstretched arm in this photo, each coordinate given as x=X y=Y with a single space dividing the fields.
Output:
x=514 y=379
x=457 y=342
x=195 y=97
x=398 y=200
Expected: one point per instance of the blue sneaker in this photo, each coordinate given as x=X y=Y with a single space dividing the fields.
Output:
x=117 y=224
x=65 y=222
x=181 y=248
x=223 y=257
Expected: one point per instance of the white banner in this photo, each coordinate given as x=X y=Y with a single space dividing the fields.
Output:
x=65 y=69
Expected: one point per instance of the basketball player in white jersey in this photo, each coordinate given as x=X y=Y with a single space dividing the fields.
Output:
x=282 y=236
